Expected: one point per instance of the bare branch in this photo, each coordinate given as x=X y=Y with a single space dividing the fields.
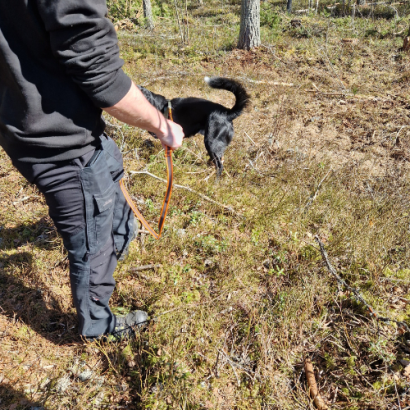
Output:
x=313 y=197
x=144 y=267
x=355 y=292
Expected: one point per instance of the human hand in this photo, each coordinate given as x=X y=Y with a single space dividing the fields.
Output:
x=171 y=135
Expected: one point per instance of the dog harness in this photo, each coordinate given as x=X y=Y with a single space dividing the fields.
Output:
x=165 y=204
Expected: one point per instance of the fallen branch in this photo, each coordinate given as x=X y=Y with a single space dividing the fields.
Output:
x=303 y=11
x=232 y=366
x=325 y=93
x=268 y=82
x=25 y=199
x=144 y=267
x=313 y=197
x=253 y=142
x=314 y=392
x=355 y=292
x=192 y=152
x=400 y=33
x=228 y=208
x=209 y=176
x=258 y=171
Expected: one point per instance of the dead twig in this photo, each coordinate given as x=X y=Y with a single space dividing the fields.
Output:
x=314 y=391
x=268 y=82
x=192 y=152
x=355 y=292
x=253 y=142
x=25 y=199
x=232 y=366
x=313 y=197
x=325 y=93
x=144 y=267
x=258 y=171
x=209 y=176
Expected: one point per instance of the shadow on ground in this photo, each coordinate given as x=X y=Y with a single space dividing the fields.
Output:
x=26 y=297
x=40 y=233
x=11 y=398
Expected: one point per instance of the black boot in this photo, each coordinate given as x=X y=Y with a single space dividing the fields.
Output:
x=125 y=325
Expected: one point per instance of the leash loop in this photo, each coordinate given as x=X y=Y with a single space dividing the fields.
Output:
x=167 y=199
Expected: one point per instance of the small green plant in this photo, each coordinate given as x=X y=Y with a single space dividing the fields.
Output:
x=380 y=350
x=277 y=271
x=330 y=361
x=351 y=361
x=175 y=274
x=255 y=236
x=279 y=257
x=195 y=218
x=191 y=296
x=281 y=303
x=211 y=245
x=149 y=204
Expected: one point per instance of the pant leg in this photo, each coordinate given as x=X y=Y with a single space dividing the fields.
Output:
x=123 y=221
x=91 y=274
x=82 y=202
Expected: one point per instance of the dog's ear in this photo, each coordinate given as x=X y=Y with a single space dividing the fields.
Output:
x=147 y=94
x=157 y=100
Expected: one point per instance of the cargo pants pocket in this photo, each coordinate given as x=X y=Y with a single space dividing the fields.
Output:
x=99 y=197
x=123 y=223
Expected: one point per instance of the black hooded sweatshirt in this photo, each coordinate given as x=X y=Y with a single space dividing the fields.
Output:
x=59 y=64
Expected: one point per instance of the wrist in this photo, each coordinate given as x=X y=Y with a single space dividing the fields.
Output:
x=162 y=130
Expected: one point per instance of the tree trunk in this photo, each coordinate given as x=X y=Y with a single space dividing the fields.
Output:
x=146 y=5
x=249 y=34
x=289 y=6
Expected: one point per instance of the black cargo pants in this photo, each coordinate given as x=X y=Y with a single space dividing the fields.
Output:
x=95 y=222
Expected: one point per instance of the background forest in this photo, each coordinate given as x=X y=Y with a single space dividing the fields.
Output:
x=239 y=292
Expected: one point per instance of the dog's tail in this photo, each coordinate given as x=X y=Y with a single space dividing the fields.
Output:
x=242 y=97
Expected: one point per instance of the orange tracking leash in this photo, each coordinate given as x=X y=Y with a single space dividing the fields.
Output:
x=165 y=204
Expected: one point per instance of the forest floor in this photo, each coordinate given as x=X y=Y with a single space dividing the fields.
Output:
x=241 y=297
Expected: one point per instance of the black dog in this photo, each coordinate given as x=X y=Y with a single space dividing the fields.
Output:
x=197 y=115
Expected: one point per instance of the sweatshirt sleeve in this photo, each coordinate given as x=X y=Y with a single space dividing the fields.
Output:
x=85 y=42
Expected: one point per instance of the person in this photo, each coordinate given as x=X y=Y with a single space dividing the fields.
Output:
x=59 y=68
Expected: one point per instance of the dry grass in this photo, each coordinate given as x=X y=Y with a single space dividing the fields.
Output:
x=239 y=300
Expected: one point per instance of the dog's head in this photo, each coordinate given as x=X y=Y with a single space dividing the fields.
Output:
x=218 y=135
x=158 y=101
